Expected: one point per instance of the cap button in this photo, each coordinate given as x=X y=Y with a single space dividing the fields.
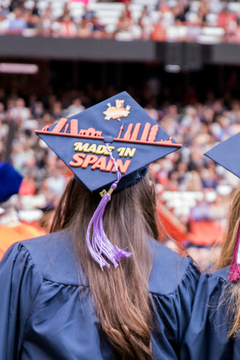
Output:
x=108 y=139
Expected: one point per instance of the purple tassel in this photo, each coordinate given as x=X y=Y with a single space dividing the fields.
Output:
x=235 y=263
x=100 y=244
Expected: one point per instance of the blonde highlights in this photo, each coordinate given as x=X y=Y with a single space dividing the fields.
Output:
x=233 y=292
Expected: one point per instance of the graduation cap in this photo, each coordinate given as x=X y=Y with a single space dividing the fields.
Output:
x=226 y=154
x=135 y=141
x=108 y=147
x=10 y=181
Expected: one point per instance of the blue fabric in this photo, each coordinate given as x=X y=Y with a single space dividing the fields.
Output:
x=206 y=336
x=226 y=154
x=10 y=181
x=47 y=308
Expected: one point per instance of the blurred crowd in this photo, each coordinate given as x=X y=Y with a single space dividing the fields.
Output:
x=193 y=189
x=206 y=21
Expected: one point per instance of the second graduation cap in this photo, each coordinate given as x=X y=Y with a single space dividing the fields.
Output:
x=134 y=138
x=226 y=154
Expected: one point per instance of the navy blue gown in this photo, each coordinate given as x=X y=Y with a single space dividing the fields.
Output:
x=206 y=336
x=47 y=308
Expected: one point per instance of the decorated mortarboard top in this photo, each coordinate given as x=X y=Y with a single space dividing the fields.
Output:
x=134 y=138
x=226 y=154
x=10 y=181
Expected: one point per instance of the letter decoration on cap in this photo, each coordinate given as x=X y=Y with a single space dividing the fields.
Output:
x=100 y=244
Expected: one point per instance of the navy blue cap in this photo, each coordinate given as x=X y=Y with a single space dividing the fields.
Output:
x=226 y=154
x=134 y=138
x=10 y=181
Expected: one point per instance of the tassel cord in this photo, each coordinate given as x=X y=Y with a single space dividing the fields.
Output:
x=100 y=244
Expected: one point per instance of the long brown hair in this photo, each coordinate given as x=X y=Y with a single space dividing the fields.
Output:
x=121 y=296
x=233 y=296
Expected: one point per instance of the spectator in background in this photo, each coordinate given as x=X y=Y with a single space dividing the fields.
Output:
x=96 y=25
x=56 y=182
x=88 y=14
x=124 y=23
x=225 y=17
x=225 y=128
x=75 y=107
x=203 y=11
x=57 y=112
x=38 y=109
x=67 y=27
x=169 y=125
x=18 y=22
x=4 y=23
x=208 y=178
x=3 y=98
x=218 y=108
x=193 y=181
x=2 y=113
x=182 y=175
x=208 y=115
x=85 y=28
x=159 y=32
x=146 y=23
x=151 y=110
x=190 y=124
x=19 y=113
x=235 y=112
x=33 y=22
x=179 y=13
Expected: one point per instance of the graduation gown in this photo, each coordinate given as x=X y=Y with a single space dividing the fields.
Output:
x=47 y=308
x=206 y=336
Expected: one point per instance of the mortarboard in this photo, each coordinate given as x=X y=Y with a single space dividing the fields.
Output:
x=10 y=181
x=226 y=155
x=135 y=140
x=108 y=146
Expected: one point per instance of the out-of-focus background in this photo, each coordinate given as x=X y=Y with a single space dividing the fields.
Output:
x=178 y=59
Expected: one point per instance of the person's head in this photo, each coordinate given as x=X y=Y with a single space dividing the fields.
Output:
x=17 y=12
x=77 y=102
x=191 y=112
x=235 y=105
x=223 y=121
x=57 y=107
x=129 y=219
x=208 y=114
x=226 y=154
x=172 y=110
x=20 y=103
x=47 y=118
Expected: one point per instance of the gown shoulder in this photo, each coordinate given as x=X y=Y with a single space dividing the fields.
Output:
x=170 y=270
x=207 y=335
